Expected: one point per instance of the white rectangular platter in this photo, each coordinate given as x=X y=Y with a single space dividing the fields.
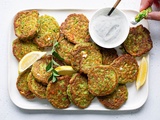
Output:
x=135 y=98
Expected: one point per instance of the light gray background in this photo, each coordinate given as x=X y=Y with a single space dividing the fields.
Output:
x=8 y=111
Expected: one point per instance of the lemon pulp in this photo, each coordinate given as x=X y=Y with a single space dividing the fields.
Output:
x=142 y=73
x=29 y=59
x=65 y=70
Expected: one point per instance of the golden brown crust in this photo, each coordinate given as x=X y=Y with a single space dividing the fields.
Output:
x=22 y=85
x=75 y=28
x=39 y=69
x=37 y=88
x=48 y=31
x=78 y=91
x=126 y=67
x=102 y=80
x=57 y=92
x=21 y=48
x=85 y=56
x=108 y=55
x=138 y=41
x=26 y=25
x=116 y=99
x=64 y=49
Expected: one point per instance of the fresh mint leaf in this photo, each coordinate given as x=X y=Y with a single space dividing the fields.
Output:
x=49 y=67
x=55 y=73
x=55 y=54
x=54 y=79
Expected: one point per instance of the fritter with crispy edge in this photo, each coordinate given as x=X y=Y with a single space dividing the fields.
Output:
x=116 y=99
x=126 y=67
x=21 y=48
x=48 y=31
x=75 y=28
x=102 y=80
x=64 y=49
x=39 y=69
x=85 y=56
x=57 y=92
x=79 y=93
x=22 y=85
x=108 y=55
x=26 y=24
x=37 y=88
x=138 y=41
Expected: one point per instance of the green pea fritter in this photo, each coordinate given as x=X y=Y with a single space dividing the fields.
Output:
x=39 y=69
x=126 y=67
x=48 y=31
x=75 y=28
x=37 y=88
x=116 y=99
x=22 y=85
x=26 y=24
x=102 y=80
x=78 y=91
x=108 y=55
x=21 y=48
x=64 y=49
x=57 y=92
x=85 y=56
x=138 y=41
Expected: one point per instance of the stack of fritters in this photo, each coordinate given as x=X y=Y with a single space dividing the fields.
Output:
x=85 y=56
x=101 y=72
x=34 y=32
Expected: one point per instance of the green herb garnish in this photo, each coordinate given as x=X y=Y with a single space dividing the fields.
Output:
x=50 y=68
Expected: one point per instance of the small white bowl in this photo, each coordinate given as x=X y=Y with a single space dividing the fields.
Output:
x=109 y=31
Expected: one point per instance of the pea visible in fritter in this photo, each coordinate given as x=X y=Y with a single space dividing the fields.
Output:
x=78 y=91
x=26 y=25
x=22 y=85
x=64 y=49
x=48 y=31
x=138 y=41
x=21 y=48
x=116 y=99
x=108 y=55
x=37 y=88
x=39 y=70
x=102 y=80
x=75 y=28
x=126 y=67
x=57 y=92
x=143 y=14
x=85 y=56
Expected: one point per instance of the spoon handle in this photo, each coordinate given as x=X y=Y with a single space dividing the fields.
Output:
x=115 y=5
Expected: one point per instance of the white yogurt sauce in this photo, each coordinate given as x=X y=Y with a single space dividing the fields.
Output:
x=108 y=27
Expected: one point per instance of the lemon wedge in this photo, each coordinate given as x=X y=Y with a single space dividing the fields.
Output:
x=29 y=59
x=142 y=74
x=65 y=70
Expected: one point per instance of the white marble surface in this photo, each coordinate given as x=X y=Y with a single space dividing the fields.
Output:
x=150 y=110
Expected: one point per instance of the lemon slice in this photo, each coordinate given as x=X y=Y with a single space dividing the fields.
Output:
x=65 y=70
x=142 y=74
x=29 y=59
